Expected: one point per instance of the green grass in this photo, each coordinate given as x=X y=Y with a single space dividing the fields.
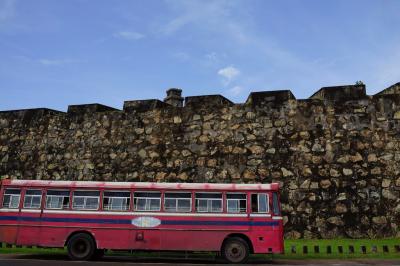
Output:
x=298 y=244
x=344 y=243
x=33 y=250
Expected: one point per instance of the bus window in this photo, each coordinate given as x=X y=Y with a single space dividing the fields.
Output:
x=178 y=202
x=11 y=198
x=147 y=201
x=86 y=200
x=275 y=204
x=259 y=203
x=32 y=199
x=236 y=202
x=116 y=200
x=57 y=199
x=209 y=202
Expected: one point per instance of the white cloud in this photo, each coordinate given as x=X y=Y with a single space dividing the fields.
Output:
x=235 y=91
x=228 y=73
x=47 y=61
x=7 y=9
x=129 y=35
x=232 y=25
x=56 y=62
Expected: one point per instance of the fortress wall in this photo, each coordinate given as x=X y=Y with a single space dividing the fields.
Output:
x=336 y=154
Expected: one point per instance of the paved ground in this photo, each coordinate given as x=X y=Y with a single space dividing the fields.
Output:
x=57 y=260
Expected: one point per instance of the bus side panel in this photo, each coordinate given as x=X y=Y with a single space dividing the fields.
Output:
x=56 y=228
x=268 y=240
x=8 y=233
x=8 y=221
x=195 y=240
x=29 y=229
x=119 y=238
x=53 y=237
x=27 y=234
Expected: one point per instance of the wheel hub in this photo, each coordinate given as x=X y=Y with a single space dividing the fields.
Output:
x=235 y=251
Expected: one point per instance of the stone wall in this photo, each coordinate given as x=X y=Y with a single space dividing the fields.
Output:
x=336 y=154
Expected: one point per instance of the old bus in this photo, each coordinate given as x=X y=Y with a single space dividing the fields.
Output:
x=90 y=217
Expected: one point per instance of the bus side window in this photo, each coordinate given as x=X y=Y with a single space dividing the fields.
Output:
x=116 y=200
x=259 y=203
x=57 y=199
x=178 y=201
x=147 y=201
x=236 y=202
x=208 y=202
x=11 y=198
x=33 y=198
x=86 y=200
x=275 y=204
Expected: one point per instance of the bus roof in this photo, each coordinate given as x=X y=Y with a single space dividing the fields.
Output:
x=139 y=185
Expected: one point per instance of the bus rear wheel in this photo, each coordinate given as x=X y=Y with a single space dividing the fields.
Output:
x=81 y=247
x=235 y=250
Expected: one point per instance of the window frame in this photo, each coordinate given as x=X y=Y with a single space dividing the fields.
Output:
x=129 y=205
x=238 y=200
x=276 y=204
x=11 y=195
x=209 y=202
x=177 y=200
x=258 y=202
x=32 y=197
x=85 y=199
x=62 y=205
x=148 y=199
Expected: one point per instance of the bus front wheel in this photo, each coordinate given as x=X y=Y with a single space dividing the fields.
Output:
x=235 y=250
x=81 y=247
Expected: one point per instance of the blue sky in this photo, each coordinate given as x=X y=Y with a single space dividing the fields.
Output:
x=56 y=53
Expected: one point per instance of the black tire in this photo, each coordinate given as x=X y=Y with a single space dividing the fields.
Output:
x=235 y=250
x=81 y=247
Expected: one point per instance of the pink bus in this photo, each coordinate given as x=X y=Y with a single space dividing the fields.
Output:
x=90 y=217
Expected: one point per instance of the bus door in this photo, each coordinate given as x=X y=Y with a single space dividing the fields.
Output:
x=275 y=206
x=259 y=211
x=276 y=213
x=11 y=207
x=30 y=217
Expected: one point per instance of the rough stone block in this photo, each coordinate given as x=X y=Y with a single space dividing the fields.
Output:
x=393 y=89
x=27 y=116
x=207 y=101
x=267 y=97
x=144 y=105
x=335 y=171
x=82 y=109
x=174 y=97
x=339 y=94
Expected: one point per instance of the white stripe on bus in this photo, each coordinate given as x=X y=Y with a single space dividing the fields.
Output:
x=144 y=213
x=9 y=210
x=31 y=211
x=260 y=215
